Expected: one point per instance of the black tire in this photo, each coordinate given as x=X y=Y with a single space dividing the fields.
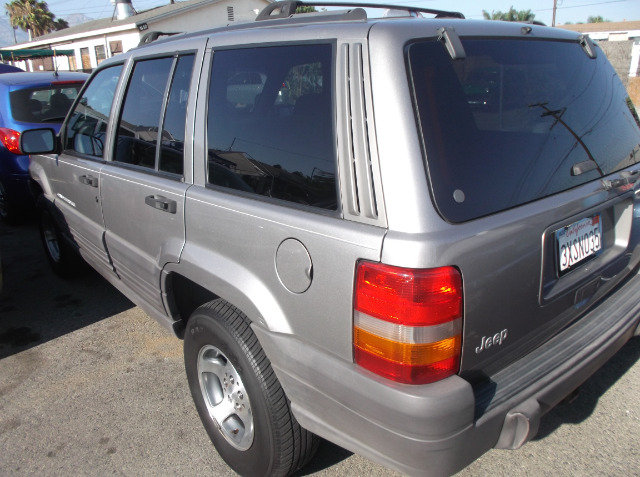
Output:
x=64 y=260
x=9 y=213
x=230 y=376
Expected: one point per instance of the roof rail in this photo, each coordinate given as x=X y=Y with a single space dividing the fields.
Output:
x=153 y=36
x=287 y=8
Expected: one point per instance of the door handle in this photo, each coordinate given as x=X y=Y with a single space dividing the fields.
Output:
x=161 y=203
x=89 y=180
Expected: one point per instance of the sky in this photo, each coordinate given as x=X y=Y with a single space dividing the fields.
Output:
x=568 y=11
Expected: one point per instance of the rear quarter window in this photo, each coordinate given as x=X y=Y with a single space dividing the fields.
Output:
x=270 y=126
x=506 y=125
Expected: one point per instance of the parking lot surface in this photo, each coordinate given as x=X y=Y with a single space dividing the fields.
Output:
x=90 y=385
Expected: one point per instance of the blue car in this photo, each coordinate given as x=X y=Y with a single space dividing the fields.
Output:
x=28 y=101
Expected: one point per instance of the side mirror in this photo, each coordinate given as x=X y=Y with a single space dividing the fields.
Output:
x=38 y=141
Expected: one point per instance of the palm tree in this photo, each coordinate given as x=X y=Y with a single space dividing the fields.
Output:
x=60 y=24
x=32 y=16
x=512 y=15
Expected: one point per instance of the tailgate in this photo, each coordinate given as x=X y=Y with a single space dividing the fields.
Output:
x=532 y=150
x=527 y=279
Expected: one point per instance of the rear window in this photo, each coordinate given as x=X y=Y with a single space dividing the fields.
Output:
x=516 y=121
x=43 y=104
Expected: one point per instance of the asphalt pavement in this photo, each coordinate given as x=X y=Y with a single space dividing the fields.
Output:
x=91 y=386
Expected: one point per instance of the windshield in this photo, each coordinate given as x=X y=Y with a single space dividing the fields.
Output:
x=516 y=121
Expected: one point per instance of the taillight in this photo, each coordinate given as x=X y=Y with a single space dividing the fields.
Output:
x=408 y=322
x=11 y=140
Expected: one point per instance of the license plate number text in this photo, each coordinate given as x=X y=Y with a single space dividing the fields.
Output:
x=578 y=241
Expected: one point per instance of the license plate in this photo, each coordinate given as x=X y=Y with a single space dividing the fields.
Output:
x=578 y=241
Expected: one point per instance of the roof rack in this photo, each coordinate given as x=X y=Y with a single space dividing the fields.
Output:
x=152 y=36
x=286 y=9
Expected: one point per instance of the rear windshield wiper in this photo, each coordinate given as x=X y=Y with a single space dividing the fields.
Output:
x=627 y=178
x=580 y=167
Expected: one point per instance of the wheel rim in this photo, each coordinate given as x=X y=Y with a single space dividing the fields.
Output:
x=50 y=236
x=225 y=397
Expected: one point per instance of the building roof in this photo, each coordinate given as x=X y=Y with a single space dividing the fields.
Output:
x=603 y=27
x=147 y=16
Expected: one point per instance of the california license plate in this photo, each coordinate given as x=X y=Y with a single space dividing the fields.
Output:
x=578 y=241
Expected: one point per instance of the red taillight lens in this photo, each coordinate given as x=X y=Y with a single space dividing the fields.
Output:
x=11 y=140
x=408 y=322
x=410 y=296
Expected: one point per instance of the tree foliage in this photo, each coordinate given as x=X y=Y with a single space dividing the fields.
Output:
x=306 y=9
x=33 y=16
x=596 y=19
x=60 y=24
x=512 y=15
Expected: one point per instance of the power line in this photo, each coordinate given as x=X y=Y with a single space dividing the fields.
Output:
x=556 y=7
x=581 y=5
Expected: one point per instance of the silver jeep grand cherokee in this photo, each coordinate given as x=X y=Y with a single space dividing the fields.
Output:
x=410 y=236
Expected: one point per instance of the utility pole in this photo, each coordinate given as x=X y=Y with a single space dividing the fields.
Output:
x=553 y=19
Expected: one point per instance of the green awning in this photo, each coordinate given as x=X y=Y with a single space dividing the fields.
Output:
x=24 y=54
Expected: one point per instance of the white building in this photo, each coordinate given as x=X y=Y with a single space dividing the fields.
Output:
x=94 y=41
x=621 y=43
x=614 y=32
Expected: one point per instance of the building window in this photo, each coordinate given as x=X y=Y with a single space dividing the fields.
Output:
x=115 y=47
x=100 y=54
x=37 y=64
x=86 y=59
x=42 y=64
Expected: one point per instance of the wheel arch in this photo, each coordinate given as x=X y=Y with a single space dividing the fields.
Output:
x=36 y=189
x=188 y=287
x=39 y=183
x=183 y=296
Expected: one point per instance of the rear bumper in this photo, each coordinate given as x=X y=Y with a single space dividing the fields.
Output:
x=440 y=428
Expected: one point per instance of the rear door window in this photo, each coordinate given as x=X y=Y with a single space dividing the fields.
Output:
x=516 y=121
x=151 y=128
